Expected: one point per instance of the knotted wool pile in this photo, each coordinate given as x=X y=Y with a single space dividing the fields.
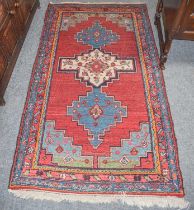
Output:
x=96 y=125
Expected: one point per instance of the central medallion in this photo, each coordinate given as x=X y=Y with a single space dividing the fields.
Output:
x=97 y=67
x=97 y=112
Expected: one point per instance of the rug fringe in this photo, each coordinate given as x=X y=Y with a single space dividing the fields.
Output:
x=138 y=201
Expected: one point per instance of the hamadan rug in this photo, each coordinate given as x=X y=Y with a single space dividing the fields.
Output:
x=96 y=118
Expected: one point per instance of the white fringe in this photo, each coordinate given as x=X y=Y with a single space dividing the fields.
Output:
x=138 y=201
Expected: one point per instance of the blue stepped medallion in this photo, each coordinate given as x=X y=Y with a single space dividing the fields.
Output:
x=97 y=36
x=97 y=112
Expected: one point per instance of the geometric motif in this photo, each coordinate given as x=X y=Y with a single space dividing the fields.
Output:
x=97 y=36
x=64 y=153
x=97 y=67
x=123 y=22
x=71 y=21
x=80 y=17
x=131 y=150
x=97 y=112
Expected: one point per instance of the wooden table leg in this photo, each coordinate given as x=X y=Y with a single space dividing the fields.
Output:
x=164 y=53
x=166 y=41
x=158 y=12
x=157 y=22
x=2 y=101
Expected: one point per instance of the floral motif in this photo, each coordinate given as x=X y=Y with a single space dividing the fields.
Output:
x=96 y=111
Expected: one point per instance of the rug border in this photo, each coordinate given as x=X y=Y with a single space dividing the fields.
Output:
x=27 y=97
x=168 y=106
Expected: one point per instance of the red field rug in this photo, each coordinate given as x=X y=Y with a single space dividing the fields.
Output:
x=96 y=122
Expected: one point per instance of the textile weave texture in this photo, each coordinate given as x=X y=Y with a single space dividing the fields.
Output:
x=96 y=118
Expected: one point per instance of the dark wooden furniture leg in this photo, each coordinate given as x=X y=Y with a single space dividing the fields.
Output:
x=165 y=51
x=157 y=22
x=2 y=101
x=172 y=25
x=158 y=12
x=171 y=35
